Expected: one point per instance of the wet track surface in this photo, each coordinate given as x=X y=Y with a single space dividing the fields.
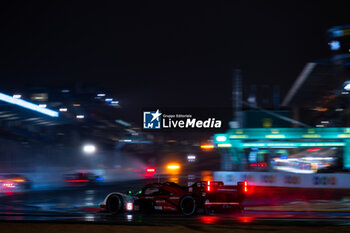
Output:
x=80 y=204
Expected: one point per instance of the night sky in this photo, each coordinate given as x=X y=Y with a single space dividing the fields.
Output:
x=165 y=53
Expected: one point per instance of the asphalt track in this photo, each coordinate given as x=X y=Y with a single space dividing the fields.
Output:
x=79 y=205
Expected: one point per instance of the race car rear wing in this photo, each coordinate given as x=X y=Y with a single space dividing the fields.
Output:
x=216 y=186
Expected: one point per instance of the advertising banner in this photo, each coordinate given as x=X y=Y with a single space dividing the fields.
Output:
x=278 y=179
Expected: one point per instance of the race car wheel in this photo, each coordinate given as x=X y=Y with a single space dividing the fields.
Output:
x=114 y=204
x=240 y=209
x=188 y=205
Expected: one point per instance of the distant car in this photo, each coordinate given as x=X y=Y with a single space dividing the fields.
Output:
x=82 y=179
x=171 y=197
x=11 y=182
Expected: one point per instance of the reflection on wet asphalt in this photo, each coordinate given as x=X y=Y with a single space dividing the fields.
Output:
x=82 y=204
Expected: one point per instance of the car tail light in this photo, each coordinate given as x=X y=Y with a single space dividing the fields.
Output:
x=242 y=187
x=208 y=186
x=8 y=185
x=77 y=181
x=151 y=170
x=129 y=206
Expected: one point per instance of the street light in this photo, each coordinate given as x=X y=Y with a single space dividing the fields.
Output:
x=221 y=138
x=207 y=146
x=173 y=168
x=347 y=86
x=191 y=158
x=17 y=96
x=89 y=149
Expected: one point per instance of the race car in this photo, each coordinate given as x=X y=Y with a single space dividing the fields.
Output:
x=171 y=197
x=14 y=182
x=78 y=179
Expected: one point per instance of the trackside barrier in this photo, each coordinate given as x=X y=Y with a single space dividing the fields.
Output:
x=278 y=179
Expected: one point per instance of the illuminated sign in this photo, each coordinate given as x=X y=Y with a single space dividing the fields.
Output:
x=285 y=133
x=221 y=138
x=224 y=145
x=239 y=136
x=275 y=136
x=346 y=32
x=293 y=144
x=311 y=136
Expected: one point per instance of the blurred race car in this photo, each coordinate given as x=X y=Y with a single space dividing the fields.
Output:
x=11 y=182
x=171 y=197
x=82 y=179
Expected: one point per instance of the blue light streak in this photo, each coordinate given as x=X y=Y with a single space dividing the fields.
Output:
x=335 y=45
x=28 y=105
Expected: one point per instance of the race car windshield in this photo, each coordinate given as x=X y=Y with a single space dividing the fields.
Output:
x=150 y=191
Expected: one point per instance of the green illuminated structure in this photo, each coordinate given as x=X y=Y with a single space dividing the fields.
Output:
x=235 y=140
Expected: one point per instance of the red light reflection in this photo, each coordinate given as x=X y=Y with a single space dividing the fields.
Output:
x=314 y=149
x=77 y=181
x=245 y=219
x=208 y=219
